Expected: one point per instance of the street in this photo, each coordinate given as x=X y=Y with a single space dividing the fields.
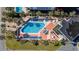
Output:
x=2 y=43
x=68 y=47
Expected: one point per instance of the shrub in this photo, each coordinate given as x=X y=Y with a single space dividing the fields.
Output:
x=46 y=43
x=56 y=43
x=36 y=42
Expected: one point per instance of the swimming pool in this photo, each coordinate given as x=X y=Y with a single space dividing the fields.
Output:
x=19 y=10
x=32 y=27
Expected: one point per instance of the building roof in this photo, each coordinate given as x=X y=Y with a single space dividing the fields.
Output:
x=41 y=8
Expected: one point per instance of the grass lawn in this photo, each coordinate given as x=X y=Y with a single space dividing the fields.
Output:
x=13 y=44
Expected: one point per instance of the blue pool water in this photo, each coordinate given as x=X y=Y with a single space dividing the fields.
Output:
x=32 y=27
x=18 y=9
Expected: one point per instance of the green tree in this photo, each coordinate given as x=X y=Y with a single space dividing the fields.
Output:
x=23 y=14
x=3 y=13
x=46 y=43
x=3 y=25
x=3 y=19
x=36 y=42
x=3 y=30
x=9 y=19
x=56 y=43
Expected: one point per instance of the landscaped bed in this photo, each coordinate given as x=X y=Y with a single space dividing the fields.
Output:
x=13 y=44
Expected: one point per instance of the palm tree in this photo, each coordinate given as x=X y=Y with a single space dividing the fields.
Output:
x=9 y=8
x=57 y=13
x=30 y=13
x=62 y=13
x=66 y=14
x=72 y=14
x=50 y=13
x=38 y=13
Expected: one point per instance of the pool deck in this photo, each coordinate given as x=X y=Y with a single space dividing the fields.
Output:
x=49 y=25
